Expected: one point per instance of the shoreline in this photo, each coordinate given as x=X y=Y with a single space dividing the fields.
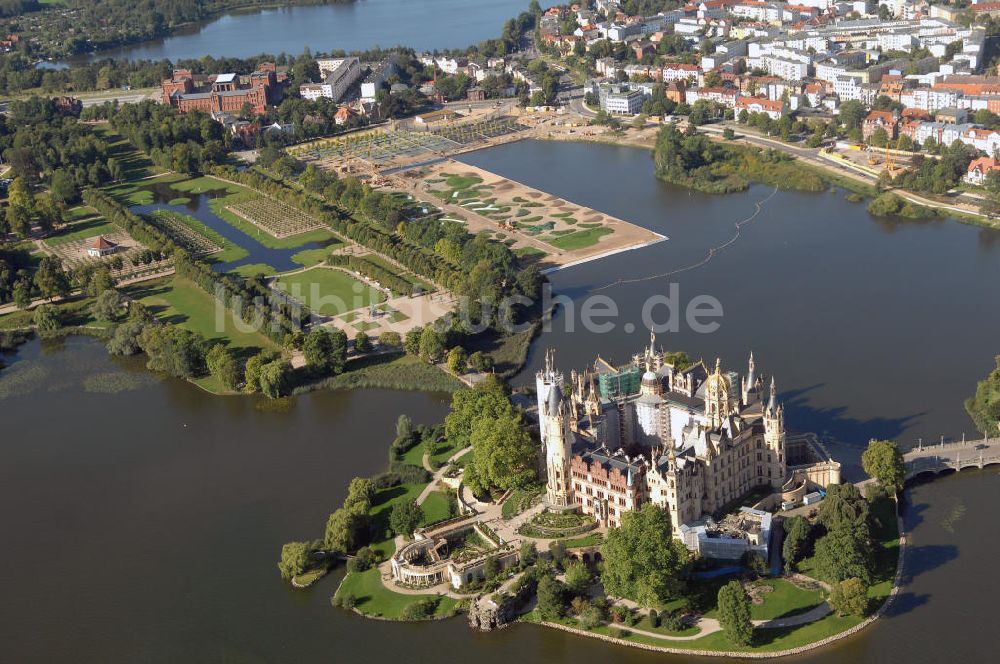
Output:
x=826 y=169
x=750 y=654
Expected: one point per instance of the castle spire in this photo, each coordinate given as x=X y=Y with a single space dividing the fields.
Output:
x=773 y=401
x=751 y=378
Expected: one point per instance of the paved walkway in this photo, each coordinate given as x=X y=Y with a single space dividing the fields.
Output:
x=438 y=475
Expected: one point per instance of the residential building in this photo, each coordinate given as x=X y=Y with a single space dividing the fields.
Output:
x=979 y=170
x=337 y=74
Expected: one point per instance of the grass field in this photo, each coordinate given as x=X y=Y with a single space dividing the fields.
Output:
x=81 y=230
x=181 y=302
x=396 y=372
x=329 y=292
x=578 y=239
x=134 y=163
x=436 y=507
x=375 y=599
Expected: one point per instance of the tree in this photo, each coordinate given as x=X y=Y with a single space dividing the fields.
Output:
x=362 y=342
x=108 y=306
x=481 y=362
x=796 y=537
x=404 y=427
x=528 y=554
x=551 y=593
x=577 y=577
x=46 y=319
x=458 y=360
x=325 y=350
x=984 y=406
x=844 y=508
x=851 y=113
x=344 y=530
x=360 y=493
x=641 y=559
x=734 y=613
x=223 y=366
x=294 y=558
x=273 y=379
x=503 y=453
x=431 y=344
x=253 y=369
x=62 y=187
x=849 y=597
x=412 y=342
x=405 y=517
x=390 y=339
x=50 y=279
x=841 y=555
x=21 y=294
x=884 y=462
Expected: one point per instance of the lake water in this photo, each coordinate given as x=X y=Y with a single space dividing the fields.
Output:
x=420 y=24
x=144 y=526
x=873 y=328
x=199 y=208
x=143 y=519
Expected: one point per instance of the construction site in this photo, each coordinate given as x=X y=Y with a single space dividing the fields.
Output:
x=871 y=160
x=417 y=157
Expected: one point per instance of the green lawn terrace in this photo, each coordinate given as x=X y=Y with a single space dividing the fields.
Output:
x=181 y=302
x=329 y=292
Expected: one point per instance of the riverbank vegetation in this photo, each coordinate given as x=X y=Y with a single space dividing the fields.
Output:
x=693 y=160
x=984 y=406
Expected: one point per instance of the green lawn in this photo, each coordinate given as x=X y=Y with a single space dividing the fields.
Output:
x=593 y=539
x=375 y=599
x=253 y=269
x=786 y=600
x=529 y=252
x=436 y=507
x=181 y=302
x=329 y=292
x=578 y=239
x=81 y=230
x=135 y=164
x=309 y=257
x=396 y=372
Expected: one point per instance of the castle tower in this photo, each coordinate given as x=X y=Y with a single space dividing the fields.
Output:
x=748 y=382
x=558 y=439
x=545 y=380
x=774 y=437
x=717 y=404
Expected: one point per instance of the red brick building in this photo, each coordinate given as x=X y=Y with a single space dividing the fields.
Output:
x=879 y=120
x=222 y=92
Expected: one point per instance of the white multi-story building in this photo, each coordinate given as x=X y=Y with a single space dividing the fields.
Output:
x=929 y=99
x=942 y=132
x=338 y=75
x=681 y=72
x=792 y=70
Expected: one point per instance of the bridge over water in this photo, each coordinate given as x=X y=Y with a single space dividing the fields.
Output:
x=956 y=455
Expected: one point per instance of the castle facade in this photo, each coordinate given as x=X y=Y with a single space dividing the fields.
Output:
x=687 y=438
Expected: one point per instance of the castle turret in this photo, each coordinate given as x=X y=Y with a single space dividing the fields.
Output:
x=748 y=382
x=717 y=403
x=558 y=439
x=774 y=438
x=545 y=380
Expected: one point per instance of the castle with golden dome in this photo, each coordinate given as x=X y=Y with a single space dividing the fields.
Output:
x=687 y=438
